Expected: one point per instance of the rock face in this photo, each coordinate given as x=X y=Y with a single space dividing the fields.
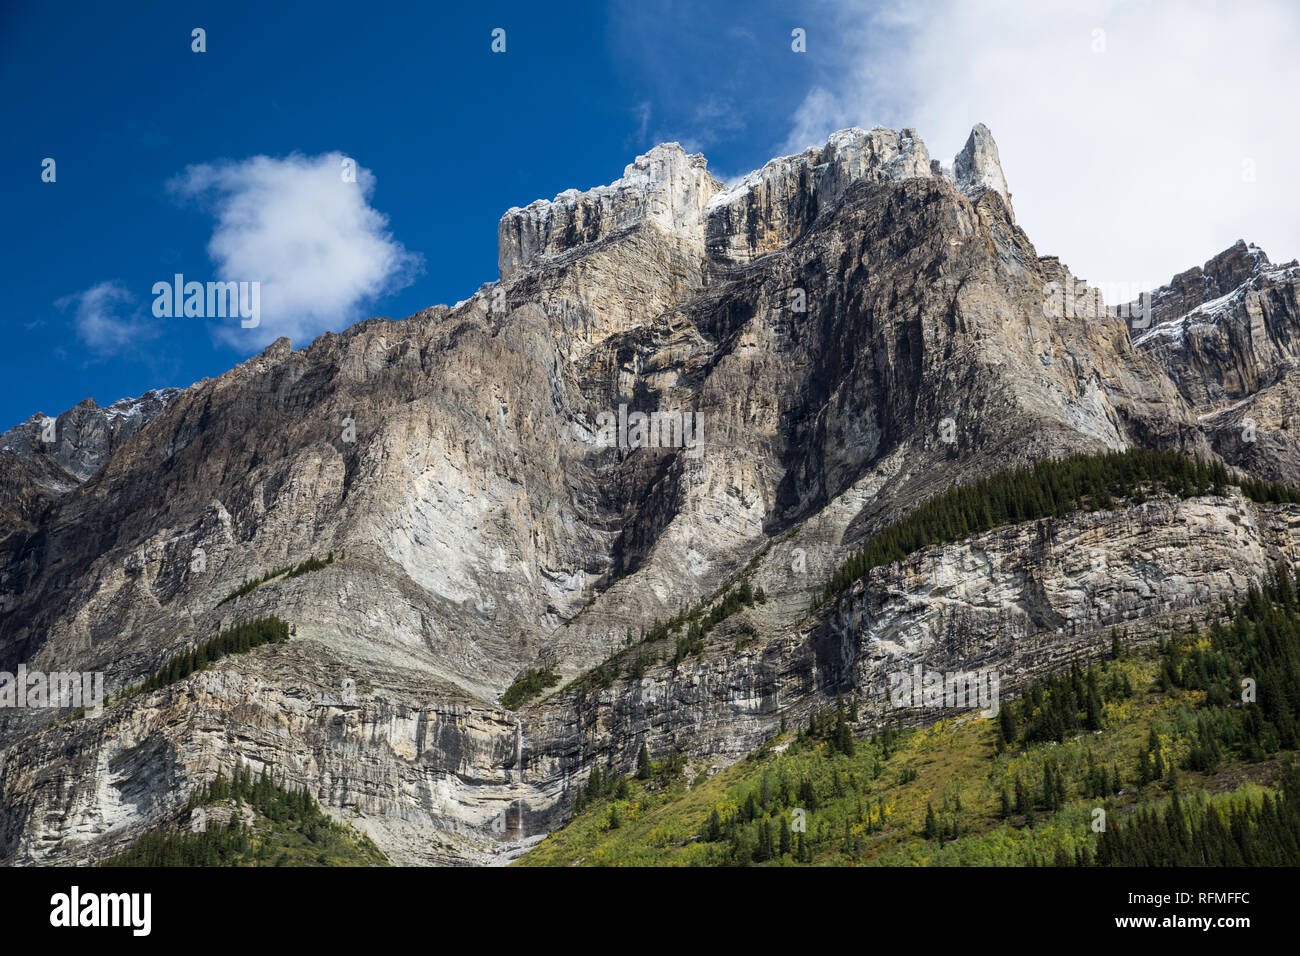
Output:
x=435 y=777
x=832 y=340
x=977 y=168
x=1228 y=335
x=1226 y=331
x=772 y=207
x=1021 y=600
x=665 y=187
x=1221 y=276
x=85 y=437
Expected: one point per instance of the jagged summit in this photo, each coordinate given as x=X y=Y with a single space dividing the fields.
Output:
x=772 y=206
x=1206 y=289
x=1227 y=333
x=899 y=153
x=652 y=168
x=665 y=186
x=763 y=211
x=83 y=437
x=977 y=167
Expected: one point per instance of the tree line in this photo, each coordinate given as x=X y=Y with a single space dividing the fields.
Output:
x=1263 y=832
x=239 y=639
x=313 y=563
x=1051 y=488
x=289 y=811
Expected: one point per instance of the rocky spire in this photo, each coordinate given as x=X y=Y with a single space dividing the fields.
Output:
x=977 y=169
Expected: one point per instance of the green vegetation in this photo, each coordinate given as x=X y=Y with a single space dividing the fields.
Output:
x=269 y=825
x=288 y=571
x=311 y=564
x=527 y=686
x=1049 y=488
x=688 y=630
x=1252 y=657
x=1262 y=830
x=698 y=624
x=1166 y=747
x=1058 y=706
x=239 y=639
x=252 y=585
x=1268 y=492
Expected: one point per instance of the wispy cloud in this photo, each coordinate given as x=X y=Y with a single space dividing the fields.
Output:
x=714 y=118
x=702 y=75
x=642 y=111
x=108 y=319
x=304 y=228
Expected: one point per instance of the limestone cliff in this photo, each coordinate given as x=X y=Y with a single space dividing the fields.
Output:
x=845 y=332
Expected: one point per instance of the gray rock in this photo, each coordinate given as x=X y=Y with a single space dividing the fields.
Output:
x=853 y=331
x=85 y=436
x=977 y=168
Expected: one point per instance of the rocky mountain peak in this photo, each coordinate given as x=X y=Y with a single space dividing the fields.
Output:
x=1231 y=267
x=83 y=438
x=1228 y=333
x=977 y=168
x=773 y=206
x=665 y=186
x=1220 y=276
x=497 y=511
x=674 y=192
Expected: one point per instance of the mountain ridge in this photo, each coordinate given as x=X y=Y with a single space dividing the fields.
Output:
x=855 y=330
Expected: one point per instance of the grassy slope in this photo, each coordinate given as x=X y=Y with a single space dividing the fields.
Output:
x=310 y=839
x=290 y=844
x=659 y=824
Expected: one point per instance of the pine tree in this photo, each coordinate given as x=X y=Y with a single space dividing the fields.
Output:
x=713 y=830
x=1023 y=803
x=931 y=829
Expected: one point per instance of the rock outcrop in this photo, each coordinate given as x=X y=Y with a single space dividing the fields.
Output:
x=1228 y=335
x=772 y=207
x=977 y=169
x=83 y=438
x=665 y=187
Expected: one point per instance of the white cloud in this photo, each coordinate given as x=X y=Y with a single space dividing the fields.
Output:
x=312 y=240
x=108 y=319
x=642 y=112
x=714 y=118
x=1132 y=162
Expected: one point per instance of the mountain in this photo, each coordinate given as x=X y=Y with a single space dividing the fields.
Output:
x=83 y=438
x=1226 y=334
x=44 y=457
x=466 y=501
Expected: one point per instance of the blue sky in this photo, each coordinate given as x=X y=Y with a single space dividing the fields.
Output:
x=157 y=170
x=452 y=134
